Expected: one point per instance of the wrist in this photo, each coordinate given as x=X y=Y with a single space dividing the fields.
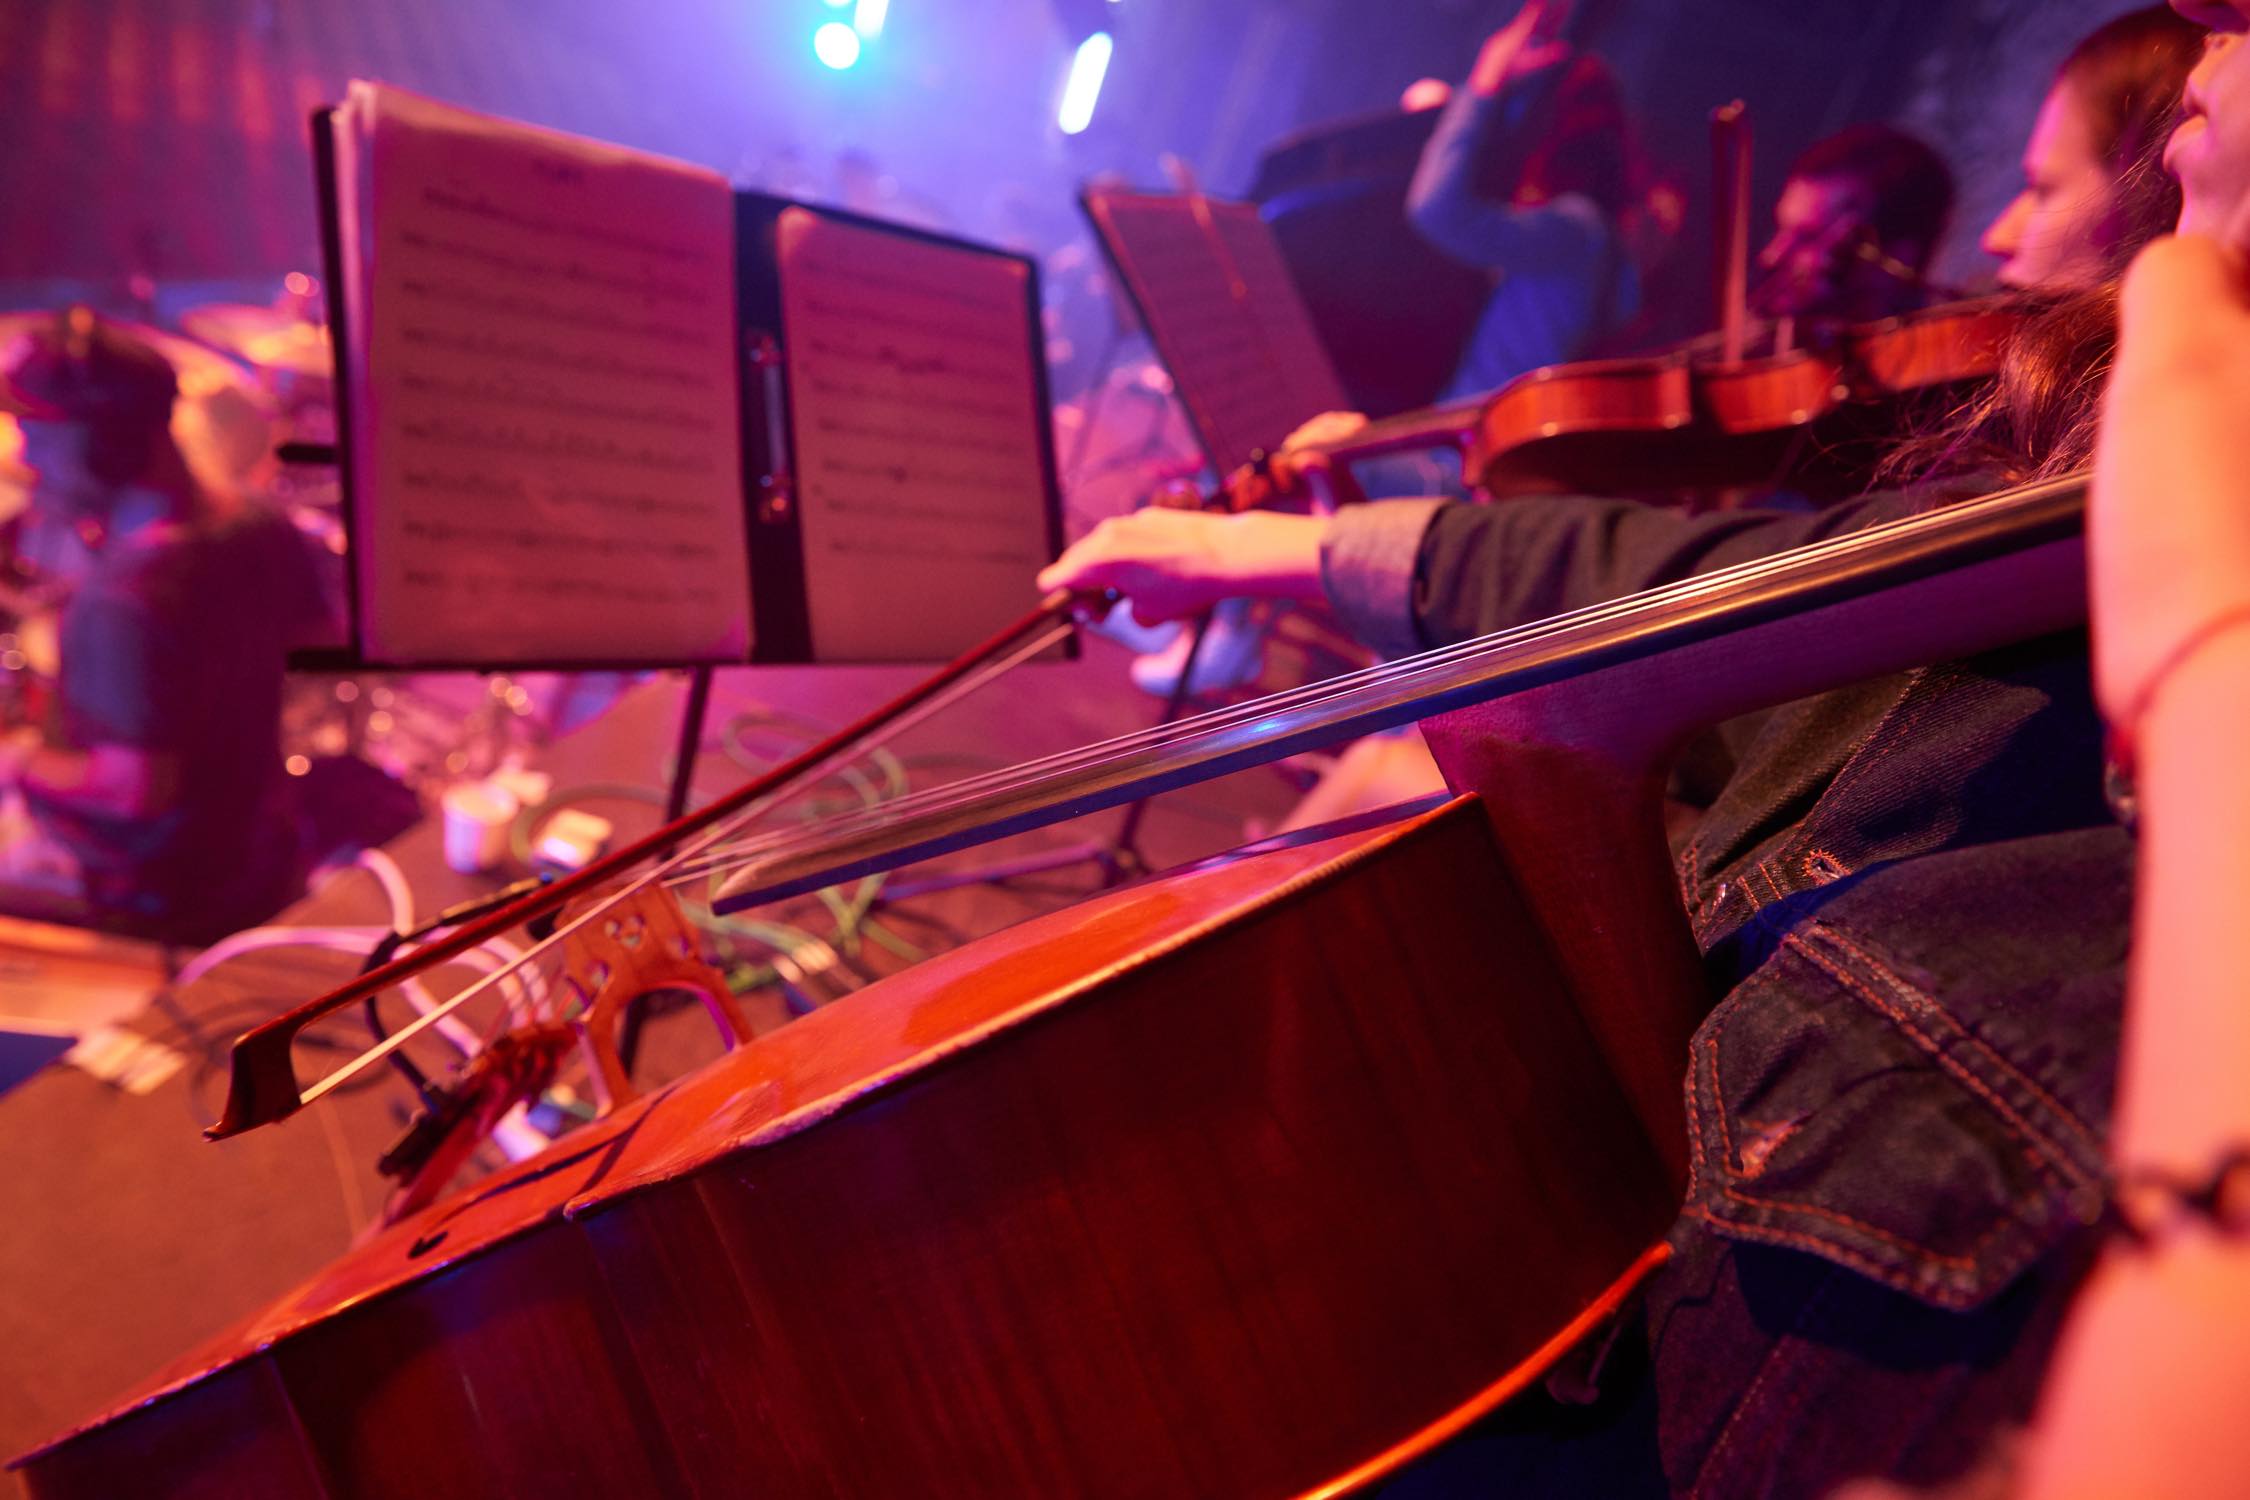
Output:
x=2198 y=678
x=2179 y=1091
x=1274 y=555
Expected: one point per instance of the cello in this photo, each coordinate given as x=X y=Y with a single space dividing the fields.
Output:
x=1116 y=1203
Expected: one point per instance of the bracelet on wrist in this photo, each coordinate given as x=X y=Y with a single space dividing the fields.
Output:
x=2123 y=741
x=2145 y=1203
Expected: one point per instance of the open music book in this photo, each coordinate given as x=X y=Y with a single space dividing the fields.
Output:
x=598 y=408
x=1226 y=319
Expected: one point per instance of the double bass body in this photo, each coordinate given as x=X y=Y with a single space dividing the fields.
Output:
x=1235 y=1183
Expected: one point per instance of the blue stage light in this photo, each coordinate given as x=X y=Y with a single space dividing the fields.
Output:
x=1084 y=88
x=837 y=45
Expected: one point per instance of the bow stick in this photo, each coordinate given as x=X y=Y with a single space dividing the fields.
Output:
x=262 y=1086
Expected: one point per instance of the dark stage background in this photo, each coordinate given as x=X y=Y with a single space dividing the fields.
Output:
x=164 y=139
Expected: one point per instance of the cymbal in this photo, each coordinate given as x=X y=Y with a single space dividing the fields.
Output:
x=267 y=337
x=222 y=421
x=200 y=370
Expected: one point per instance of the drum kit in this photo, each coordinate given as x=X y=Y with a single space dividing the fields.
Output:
x=251 y=378
x=255 y=421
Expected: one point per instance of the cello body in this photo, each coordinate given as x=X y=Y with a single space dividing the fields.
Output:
x=1247 y=1182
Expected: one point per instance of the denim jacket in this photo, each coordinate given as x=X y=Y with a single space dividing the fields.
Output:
x=1913 y=903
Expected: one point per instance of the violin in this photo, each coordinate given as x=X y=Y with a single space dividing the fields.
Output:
x=1112 y=1203
x=1815 y=417
x=1812 y=416
x=1701 y=421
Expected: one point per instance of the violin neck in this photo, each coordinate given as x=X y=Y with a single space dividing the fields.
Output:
x=1452 y=425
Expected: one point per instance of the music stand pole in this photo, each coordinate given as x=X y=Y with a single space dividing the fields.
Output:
x=691 y=742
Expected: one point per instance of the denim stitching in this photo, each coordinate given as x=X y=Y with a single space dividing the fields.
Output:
x=2029 y=1132
x=1718 y=1092
x=1904 y=713
x=1780 y=1355
x=1870 y=1266
x=1897 y=982
x=1863 y=755
x=1971 y=1261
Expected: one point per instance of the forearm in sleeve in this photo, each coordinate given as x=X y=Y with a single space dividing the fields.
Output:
x=1408 y=575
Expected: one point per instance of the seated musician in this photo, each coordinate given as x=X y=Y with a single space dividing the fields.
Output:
x=2148 y=1390
x=1860 y=216
x=2090 y=191
x=1914 y=899
x=156 y=791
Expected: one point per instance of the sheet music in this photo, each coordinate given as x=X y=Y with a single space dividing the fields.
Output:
x=920 y=473
x=1244 y=357
x=1307 y=378
x=546 y=445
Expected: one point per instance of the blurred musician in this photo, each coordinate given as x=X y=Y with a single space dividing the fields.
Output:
x=155 y=790
x=1529 y=175
x=1860 y=216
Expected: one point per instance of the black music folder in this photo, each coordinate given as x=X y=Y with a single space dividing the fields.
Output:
x=1216 y=297
x=597 y=408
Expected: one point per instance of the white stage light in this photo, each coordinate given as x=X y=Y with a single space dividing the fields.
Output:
x=1084 y=89
x=836 y=45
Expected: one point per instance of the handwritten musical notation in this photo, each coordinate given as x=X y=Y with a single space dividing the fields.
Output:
x=1225 y=317
x=543 y=384
x=920 y=470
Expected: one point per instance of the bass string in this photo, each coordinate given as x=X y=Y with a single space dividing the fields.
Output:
x=1345 y=690
x=1104 y=754
x=664 y=871
x=1157 y=738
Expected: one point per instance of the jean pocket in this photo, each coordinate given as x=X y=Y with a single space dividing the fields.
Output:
x=1836 y=1106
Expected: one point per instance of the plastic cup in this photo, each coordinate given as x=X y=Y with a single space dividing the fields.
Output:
x=477 y=818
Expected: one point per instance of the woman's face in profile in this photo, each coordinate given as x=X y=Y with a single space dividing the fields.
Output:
x=2210 y=150
x=2059 y=231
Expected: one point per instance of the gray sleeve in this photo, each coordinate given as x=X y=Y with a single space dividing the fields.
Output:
x=1406 y=575
x=1368 y=558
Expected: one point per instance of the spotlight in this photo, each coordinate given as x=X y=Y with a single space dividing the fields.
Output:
x=837 y=45
x=867 y=17
x=1084 y=88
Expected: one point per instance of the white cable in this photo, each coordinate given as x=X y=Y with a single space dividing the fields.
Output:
x=523 y=988
x=396 y=889
x=257 y=939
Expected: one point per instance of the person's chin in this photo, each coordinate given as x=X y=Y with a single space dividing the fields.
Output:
x=2185 y=145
